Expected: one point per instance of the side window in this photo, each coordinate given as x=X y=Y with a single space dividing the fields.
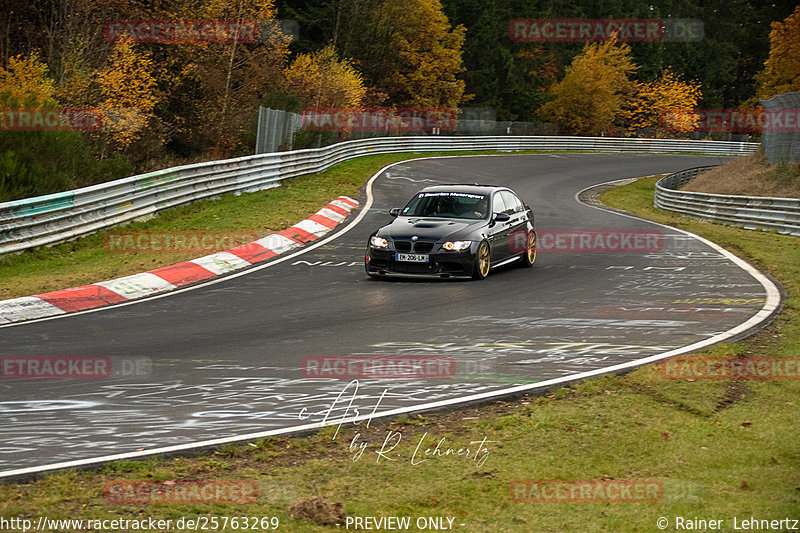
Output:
x=520 y=204
x=497 y=204
x=513 y=205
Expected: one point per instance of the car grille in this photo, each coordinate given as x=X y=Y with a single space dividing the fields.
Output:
x=419 y=247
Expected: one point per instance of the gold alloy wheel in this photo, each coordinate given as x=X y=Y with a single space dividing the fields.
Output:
x=483 y=260
x=531 y=247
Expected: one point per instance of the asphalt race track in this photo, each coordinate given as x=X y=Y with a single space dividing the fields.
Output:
x=223 y=359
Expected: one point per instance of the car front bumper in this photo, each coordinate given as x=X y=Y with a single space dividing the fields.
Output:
x=440 y=264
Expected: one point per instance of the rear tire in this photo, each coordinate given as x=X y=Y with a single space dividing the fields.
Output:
x=529 y=256
x=483 y=261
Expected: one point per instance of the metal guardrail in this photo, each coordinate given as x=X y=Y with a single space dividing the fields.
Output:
x=750 y=212
x=59 y=217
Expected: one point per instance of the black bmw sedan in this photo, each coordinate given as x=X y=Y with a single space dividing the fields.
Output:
x=454 y=231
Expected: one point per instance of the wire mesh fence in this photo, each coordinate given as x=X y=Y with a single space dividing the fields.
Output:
x=781 y=137
x=276 y=130
x=280 y=130
x=284 y=130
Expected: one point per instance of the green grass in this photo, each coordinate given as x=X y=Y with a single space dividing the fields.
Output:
x=720 y=449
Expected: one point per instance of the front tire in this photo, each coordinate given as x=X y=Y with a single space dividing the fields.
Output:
x=483 y=261
x=529 y=256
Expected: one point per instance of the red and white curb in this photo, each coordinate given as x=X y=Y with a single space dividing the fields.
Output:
x=171 y=277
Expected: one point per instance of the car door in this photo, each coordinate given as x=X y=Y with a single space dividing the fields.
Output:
x=499 y=230
x=518 y=224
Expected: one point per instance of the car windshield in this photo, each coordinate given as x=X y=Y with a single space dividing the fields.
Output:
x=447 y=205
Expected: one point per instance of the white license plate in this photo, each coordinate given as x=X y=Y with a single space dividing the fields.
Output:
x=411 y=258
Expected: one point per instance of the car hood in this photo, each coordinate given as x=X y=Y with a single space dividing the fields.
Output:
x=431 y=229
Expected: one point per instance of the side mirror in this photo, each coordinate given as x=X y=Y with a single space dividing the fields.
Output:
x=395 y=211
x=502 y=217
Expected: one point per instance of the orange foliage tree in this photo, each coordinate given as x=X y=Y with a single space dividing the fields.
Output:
x=128 y=95
x=321 y=79
x=427 y=55
x=781 y=72
x=651 y=102
x=593 y=90
x=25 y=83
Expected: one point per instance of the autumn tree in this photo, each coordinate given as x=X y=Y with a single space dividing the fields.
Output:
x=426 y=55
x=33 y=163
x=128 y=95
x=321 y=79
x=225 y=80
x=78 y=79
x=407 y=49
x=781 y=72
x=25 y=83
x=651 y=100
x=593 y=90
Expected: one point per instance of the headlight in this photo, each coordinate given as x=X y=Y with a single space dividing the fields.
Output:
x=456 y=245
x=378 y=242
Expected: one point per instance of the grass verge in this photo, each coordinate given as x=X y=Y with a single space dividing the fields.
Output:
x=720 y=450
x=750 y=176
